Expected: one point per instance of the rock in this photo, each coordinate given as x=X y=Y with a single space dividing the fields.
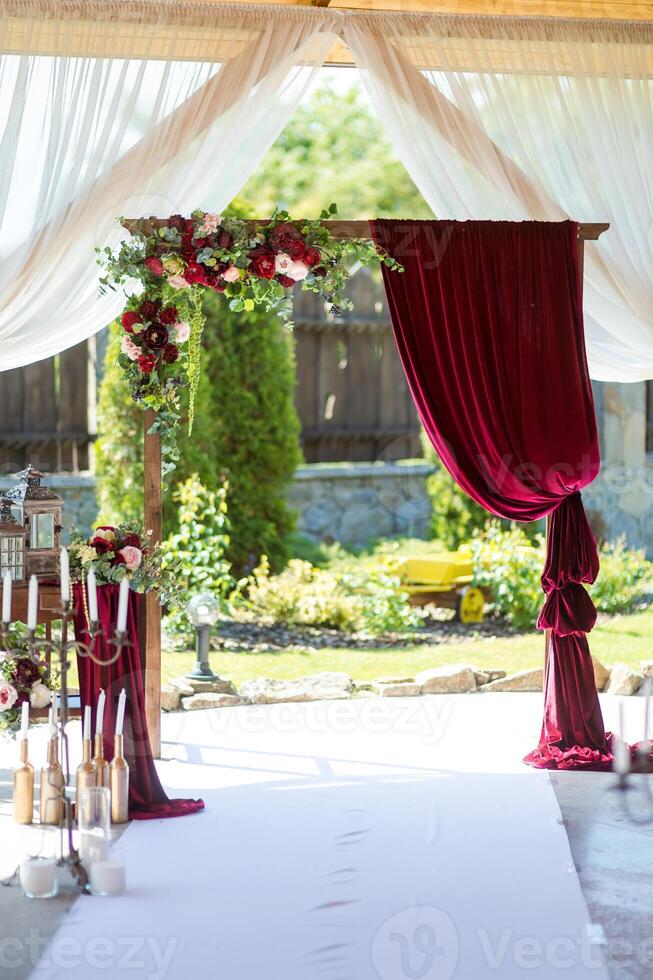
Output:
x=403 y=689
x=394 y=680
x=450 y=679
x=219 y=685
x=211 y=700
x=524 y=680
x=623 y=680
x=170 y=698
x=495 y=675
x=646 y=667
x=325 y=686
x=601 y=674
x=182 y=685
x=482 y=677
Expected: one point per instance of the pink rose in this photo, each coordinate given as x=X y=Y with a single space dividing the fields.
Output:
x=182 y=332
x=231 y=274
x=131 y=556
x=297 y=271
x=209 y=224
x=8 y=696
x=129 y=348
x=282 y=263
x=177 y=282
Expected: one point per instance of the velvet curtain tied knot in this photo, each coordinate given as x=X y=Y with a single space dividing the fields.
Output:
x=488 y=322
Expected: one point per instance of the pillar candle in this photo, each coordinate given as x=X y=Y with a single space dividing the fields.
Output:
x=64 y=575
x=6 y=598
x=107 y=878
x=91 y=589
x=122 y=605
x=24 y=720
x=32 y=602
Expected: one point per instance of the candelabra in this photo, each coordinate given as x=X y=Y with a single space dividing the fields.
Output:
x=635 y=762
x=61 y=648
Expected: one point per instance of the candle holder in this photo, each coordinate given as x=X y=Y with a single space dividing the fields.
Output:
x=641 y=764
x=60 y=649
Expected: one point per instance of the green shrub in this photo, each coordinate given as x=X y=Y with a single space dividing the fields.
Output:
x=510 y=565
x=624 y=580
x=303 y=595
x=198 y=549
x=454 y=515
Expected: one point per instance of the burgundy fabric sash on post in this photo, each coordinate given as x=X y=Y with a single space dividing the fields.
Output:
x=488 y=321
x=147 y=798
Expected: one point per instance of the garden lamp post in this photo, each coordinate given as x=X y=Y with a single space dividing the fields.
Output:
x=202 y=610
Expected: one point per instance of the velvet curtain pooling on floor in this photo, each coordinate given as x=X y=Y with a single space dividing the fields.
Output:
x=488 y=323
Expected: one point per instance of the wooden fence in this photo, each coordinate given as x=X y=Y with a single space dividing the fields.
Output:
x=47 y=412
x=352 y=397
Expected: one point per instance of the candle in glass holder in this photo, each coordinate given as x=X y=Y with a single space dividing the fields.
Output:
x=108 y=878
x=38 y=877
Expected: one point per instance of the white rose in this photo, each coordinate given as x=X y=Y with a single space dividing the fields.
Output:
x=40 y=696
x=282 y=263
x=297 y=271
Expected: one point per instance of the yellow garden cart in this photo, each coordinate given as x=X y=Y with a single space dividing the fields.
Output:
x=444 y=579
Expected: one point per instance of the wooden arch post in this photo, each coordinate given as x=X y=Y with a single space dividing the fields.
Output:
x=153 y=504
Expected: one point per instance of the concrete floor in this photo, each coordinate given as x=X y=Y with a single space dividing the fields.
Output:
x=613 y=855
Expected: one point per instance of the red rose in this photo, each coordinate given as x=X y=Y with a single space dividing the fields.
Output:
x=131 y=541
x=189 y=226
x=287 y=229
x=295 y=248
x=154 y=265
x=224 y=240
x=118 y=560
x=155 y=336
x=286 y=238
x=311 y=256
x=170 y=353
x=129 y=319
x=101 y=544
x=149 y=309
x=146 y=363
x=319 y=272
x=195 y=273
x=262 y=262
x=286 y=281
x=169 y=315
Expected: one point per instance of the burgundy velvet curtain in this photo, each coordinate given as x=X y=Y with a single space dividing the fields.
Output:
x=147 y=798
x=488 y=321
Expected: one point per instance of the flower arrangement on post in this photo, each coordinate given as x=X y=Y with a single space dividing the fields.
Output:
x=125 y=551
x=252 y=264
x=21 y=679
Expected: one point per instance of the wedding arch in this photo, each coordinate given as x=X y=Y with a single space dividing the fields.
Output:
x=251 y=247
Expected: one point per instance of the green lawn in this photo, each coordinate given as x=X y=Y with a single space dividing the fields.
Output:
x=621 y=638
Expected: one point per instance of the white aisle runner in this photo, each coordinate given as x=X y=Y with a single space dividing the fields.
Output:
x=391 y=839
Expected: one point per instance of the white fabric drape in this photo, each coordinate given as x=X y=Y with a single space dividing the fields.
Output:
x=147 y=108
x=516 y=118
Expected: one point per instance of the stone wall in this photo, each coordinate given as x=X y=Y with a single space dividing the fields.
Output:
x=353 y=502
x=620 y=501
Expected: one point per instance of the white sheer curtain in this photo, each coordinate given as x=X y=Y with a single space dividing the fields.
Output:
x=147 y=107
x=519 y=118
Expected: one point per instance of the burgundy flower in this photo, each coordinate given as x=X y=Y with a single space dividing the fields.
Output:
x=154 y=265
x=155 y=336
x=319 y=271
x=177 y=222
x=148 y=309
x=101 y=545
x=131 y=541
x=195 y=273
x=170 y=353
x=286 y=281
x=312 y=257
x=169 y=314
x=262 y=262
x=146 y=363
x=129 y=318
x=118 y=559
x=224 y=240
x=27 y=673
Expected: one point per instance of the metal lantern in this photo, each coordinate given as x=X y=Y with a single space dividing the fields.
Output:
x=13 y=543
x=39 y=514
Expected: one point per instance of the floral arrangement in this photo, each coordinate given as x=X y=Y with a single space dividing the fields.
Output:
x=114 y=553
x=21 y=679
x=252 y=264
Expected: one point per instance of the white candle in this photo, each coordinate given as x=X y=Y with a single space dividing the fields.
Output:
x=621 y=763
x=6 y=598
x=32 y=602
x=122 y=605
x=87 y=721
x=120 y=717
x=91 y=588
x=53 y=709
x=108 y=878
x=24 y=720
x=93 y=848
x=38 y=877
x=99 y=718
x=64 y=575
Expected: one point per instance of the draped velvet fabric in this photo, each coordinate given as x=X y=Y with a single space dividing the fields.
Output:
x=147 y=798
x=488 y=321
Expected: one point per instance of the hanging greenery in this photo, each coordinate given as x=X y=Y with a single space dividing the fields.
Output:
x=253 y=265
